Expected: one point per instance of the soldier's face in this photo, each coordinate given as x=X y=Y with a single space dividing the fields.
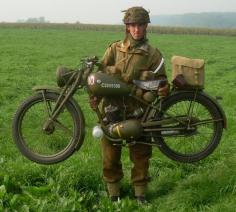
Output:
x=137 y=31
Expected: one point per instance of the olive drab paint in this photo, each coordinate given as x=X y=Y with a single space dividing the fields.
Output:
x=103 y=84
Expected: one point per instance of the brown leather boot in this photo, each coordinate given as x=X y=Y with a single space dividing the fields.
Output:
x=139 y=193
x=114 y=191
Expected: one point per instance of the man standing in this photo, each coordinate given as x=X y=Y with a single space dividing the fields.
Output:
x=130 y=59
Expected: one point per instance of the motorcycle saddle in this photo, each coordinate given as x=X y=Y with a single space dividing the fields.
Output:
x=150 y=84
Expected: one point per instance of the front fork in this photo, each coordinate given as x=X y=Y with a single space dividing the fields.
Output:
x=66 y=93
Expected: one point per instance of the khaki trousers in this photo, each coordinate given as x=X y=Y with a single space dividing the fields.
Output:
x=112 y=167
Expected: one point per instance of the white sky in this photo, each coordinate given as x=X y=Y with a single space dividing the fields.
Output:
x=103 y=11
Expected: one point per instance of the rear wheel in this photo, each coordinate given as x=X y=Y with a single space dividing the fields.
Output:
x=58 y=140
x=203 y=133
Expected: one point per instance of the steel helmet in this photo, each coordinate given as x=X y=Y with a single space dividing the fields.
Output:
x=136 y=15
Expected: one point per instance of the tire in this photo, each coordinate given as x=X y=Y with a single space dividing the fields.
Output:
x=64 y=137
x=195 y=147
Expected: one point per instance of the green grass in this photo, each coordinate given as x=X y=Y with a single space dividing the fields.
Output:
x=29 y=57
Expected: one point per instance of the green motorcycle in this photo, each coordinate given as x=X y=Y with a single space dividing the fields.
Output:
x=49 y=126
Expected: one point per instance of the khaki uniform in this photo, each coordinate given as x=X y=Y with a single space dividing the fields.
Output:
x=128 y=64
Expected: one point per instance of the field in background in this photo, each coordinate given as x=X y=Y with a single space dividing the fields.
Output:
x=120 y=28
x=29 y=57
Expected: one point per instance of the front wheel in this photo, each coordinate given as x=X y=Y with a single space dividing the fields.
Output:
x=61 y=138
x=201 y=127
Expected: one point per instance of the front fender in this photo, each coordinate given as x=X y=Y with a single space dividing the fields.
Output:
x=57 y=90
x=47 y=88
x=212 y=99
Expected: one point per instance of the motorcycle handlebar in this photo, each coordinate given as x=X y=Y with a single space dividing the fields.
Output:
x=90 y=60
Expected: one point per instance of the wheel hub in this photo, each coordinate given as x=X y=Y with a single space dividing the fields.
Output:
x=48 y=128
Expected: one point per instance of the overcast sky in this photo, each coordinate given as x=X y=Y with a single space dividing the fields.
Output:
x=103 y=11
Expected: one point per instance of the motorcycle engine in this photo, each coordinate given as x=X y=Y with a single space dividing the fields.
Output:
x=113 y=114
x=129 y=129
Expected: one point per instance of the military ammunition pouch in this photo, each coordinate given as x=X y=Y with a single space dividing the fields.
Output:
x=192 y=70
x=179 y=81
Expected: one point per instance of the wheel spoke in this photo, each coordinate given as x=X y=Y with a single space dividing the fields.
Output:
x=204 y=127
x=206 y=121
x=46 y=143
x=64 y=128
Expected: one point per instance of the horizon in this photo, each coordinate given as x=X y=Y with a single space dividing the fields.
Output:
x=121 y=23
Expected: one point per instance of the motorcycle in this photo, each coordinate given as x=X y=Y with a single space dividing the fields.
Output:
x=49 y=126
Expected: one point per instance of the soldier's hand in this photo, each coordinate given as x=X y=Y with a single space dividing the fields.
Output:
x=164 y=91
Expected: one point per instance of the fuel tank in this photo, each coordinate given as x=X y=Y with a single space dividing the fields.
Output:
x=101 y=84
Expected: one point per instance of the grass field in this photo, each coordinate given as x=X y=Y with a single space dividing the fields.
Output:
x=120 y=28
x=29 y=57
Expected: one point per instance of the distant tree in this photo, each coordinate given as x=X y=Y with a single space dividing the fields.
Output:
x=34 y=20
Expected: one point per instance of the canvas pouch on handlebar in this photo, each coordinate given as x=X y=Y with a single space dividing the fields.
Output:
x=63 y=75
x=191 y=69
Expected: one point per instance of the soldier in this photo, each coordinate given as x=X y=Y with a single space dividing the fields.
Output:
x=132 y=58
